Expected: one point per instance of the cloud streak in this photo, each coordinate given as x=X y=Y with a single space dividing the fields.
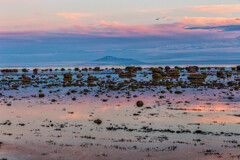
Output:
x=74 y=16
x=222 y=28
x=210 y=21
x=116 y=29
x=217 y=9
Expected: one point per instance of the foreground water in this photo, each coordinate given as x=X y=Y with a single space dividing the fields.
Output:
x=200 y=122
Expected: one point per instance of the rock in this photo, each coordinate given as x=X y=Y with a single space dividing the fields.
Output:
x=236 y=87
x=7 y=122
x=15 y=86
x=133 y=69
x=96 y=69
x=198 y=78
x=157 y=73
x=24 y=70
x=192 y=69
x=98 y=121
x=118 y=71
x=35 y=71
x=85 y=90
x=126 y=75
x=139 y=103
x=157 y=76
x=173 y=73
x=76 y=69
x=9 y=70
x=26 y=79
x=67 y=77
x=229 y=74
x=238 y=68
x=220 y=74
x=79 y=76
x=41 y=95
x=167 y=68
x=91 y=78
x=178 y=92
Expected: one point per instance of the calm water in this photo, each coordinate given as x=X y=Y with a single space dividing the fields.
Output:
x=201 y=123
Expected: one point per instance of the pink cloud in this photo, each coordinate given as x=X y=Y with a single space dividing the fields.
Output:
x=74 y=16
x=216 y=9
x=116 y=29
x=209 y=21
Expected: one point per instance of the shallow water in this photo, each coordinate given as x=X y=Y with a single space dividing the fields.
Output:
x=200 y=123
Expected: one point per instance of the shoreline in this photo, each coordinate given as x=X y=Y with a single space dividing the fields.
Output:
x=122 y=66
x=130 y=113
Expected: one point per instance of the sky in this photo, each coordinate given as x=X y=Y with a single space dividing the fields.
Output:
x=156 y=31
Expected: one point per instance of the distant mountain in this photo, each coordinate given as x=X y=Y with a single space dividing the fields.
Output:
x=110 y=60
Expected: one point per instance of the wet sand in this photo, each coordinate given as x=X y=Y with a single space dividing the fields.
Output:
x=132 y=113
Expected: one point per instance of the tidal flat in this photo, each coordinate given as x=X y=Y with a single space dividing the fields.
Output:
x=133 y=113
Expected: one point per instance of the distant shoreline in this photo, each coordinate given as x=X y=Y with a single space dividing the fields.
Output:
x=122 y=66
